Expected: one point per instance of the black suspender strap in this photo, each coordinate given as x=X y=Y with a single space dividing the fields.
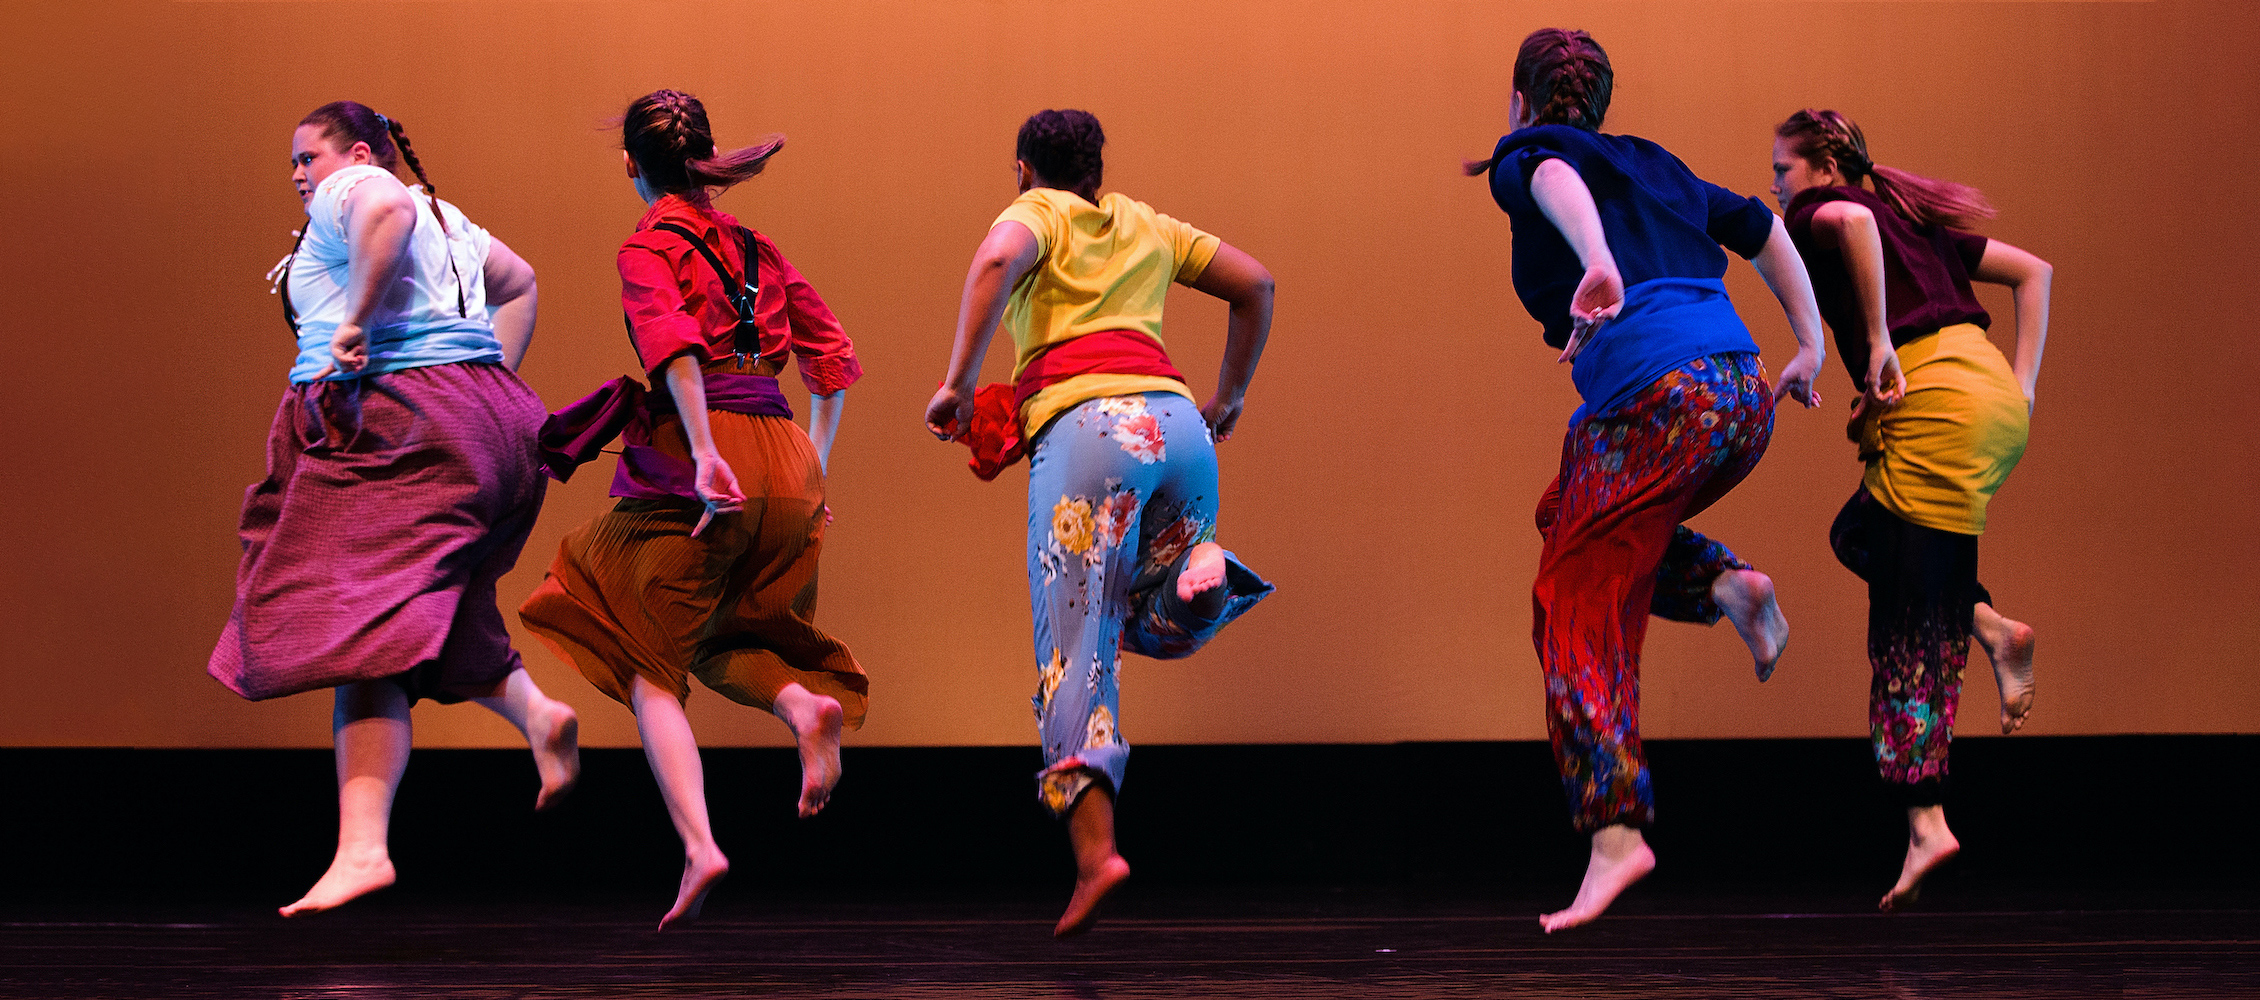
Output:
x=282 y=287
x=746 y=338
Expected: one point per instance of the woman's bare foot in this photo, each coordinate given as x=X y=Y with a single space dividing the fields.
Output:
x=352 y=874
x=2009 y=644
x=1929 y=844
x=815 y=721
x=700 y=871
x=1091 y=887
x=1201 y=583
x=1620 y=858
x=1746 y=596
x=555 y=735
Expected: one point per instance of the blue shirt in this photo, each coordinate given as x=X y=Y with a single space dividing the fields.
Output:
x=1664 y=226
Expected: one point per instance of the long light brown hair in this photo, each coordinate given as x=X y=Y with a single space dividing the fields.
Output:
x=1820 y=136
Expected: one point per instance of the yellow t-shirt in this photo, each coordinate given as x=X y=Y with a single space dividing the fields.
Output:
x=1098 y=267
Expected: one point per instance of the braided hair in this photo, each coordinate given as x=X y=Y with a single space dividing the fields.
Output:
x=344 y=123
x=1820 y=136
x=1564 y=78
x=666 y=133
x=1063 y=148
x=348 y=122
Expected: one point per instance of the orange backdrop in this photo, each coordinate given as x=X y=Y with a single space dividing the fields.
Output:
x=1399 y=432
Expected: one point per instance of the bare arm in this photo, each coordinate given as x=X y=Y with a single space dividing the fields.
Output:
x=378 y=221
x=717 y=485
x=2030 y=279
x=1784 y=271
x=512 y=297
x=1005 y=257
x=1567 y=203
x=1241 y=280
x=824 y=423
x=1850 y=228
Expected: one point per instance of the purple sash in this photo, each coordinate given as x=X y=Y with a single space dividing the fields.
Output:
x=624 y=409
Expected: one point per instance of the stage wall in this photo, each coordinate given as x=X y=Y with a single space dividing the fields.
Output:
x=1399 y=432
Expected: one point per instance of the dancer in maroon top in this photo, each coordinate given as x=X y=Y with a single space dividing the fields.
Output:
x=1941 y=421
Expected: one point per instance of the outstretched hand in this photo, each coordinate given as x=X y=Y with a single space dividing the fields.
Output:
x=950 y=413
x=1797 y=380
x=1599 y=297
x=717 y=486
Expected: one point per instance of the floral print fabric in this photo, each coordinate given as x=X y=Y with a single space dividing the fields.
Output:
x=1120 y=489
x=1616 y=552
x=1922 y=592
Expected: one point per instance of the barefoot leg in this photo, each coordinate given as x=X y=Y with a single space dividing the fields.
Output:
x=1929 y=844
x=815 y=722
x=1746 y=596
x=2009 y=644
x=1201 y=583
x=370 y=725
x=552 y=731
x=673 y=753
x=1620 y=858
x=1098 y=868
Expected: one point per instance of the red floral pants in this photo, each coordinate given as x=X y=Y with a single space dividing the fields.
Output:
x=1616 y=552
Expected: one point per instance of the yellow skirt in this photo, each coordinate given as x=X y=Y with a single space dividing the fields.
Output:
x=1937 y=458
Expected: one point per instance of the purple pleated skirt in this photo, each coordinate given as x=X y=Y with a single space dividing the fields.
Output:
x=390 y=507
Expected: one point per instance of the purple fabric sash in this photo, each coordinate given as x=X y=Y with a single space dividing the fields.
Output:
x=624 y=409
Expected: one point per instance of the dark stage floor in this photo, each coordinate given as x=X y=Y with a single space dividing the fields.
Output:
x=1156 y=942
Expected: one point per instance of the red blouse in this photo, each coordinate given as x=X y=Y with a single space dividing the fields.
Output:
x=676 y=306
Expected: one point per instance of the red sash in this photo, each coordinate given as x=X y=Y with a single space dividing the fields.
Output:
x=995 y=437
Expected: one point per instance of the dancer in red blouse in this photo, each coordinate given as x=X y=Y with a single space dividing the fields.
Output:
x=707 y=567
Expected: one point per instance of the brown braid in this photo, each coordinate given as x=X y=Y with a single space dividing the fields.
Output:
x=1823 y=137
x=416 y=166
x=1565 y=78
x=347 y=122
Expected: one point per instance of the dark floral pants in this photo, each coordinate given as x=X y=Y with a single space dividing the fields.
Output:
x=1922 y=590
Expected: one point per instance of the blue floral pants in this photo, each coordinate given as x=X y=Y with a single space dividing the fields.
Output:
x=1120 y=489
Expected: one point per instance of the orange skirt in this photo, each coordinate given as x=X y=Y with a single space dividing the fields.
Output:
x=632 y=594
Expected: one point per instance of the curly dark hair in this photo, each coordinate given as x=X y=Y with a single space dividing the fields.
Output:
x=667 y=134
x=1063 y=148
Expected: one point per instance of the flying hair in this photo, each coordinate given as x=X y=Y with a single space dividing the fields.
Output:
x=1822 y=136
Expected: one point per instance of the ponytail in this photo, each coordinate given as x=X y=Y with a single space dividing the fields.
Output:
x=1819 y=135
x=667 y=134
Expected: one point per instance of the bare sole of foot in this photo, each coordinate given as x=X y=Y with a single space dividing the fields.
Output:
x=1204 y=571
x=819 y=739
x=345 y=882
x=2009 y=644
x=699 y=876
x=1083 y=907
x=1746 y=596
x=557 y=756
x=1604 y=880
x=1921 y=861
